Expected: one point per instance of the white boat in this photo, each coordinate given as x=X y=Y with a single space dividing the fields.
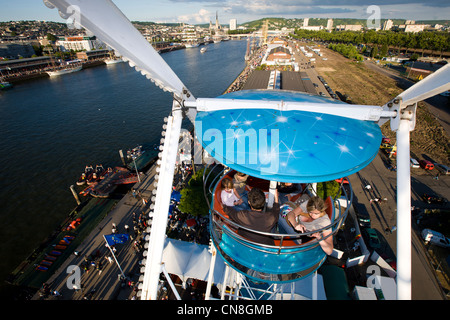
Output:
x=113 y=61
x=189 y=37
x=191 y=44
x=63 y=71
x=203 y=50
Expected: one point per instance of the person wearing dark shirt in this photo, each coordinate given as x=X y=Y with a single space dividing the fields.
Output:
x=256 y=218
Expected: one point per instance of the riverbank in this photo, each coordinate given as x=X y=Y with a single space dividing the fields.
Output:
x=252 y=63
x=102 y=120
x=40 y=72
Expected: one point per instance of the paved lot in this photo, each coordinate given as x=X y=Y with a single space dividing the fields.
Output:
x=383 y=181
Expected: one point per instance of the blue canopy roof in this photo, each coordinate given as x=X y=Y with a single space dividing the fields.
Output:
x=287 y=146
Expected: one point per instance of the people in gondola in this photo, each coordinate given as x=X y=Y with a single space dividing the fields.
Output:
x=257 y=218
x=230 y=197
x=240 y=182
x=286 y=188
x=311 y=216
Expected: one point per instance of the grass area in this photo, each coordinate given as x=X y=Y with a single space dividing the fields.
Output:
x=439 y=260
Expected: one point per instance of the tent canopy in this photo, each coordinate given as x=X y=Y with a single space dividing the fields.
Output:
x=191 y=260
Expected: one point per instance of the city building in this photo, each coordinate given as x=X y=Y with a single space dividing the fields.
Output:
x=233 y=24
x=387 y=25
x=349 y=27
x=26 y=65
x=93 y=54
x=79 y=43
x=16 y=50
x=330 y=24
x=305 y=22
x=312 y=28
x=415 y=27
x=278 y=55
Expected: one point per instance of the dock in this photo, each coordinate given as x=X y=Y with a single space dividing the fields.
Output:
x=105 y=282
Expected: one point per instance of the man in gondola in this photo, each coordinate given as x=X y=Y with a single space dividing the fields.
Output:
x=257 y=218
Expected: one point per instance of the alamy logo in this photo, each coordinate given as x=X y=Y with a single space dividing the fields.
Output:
x=73 y=282
x=249 y=147
x=373 y=21
x=372 y=282
x=72 y=17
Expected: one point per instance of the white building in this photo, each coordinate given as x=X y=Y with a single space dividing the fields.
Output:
x=233 y=24
x=415 y=27
x=387 y=25
x=305 y=22
x=349 y=27
x=329 y=24
x=312 y=28
x=79 y=43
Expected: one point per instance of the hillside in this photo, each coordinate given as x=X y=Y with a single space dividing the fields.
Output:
x=277 y=23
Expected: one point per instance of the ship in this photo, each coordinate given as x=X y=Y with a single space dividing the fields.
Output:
x=189 y=37
x=60 y=72
x=113 y=61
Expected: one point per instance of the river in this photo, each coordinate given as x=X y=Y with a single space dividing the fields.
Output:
x=53 y=127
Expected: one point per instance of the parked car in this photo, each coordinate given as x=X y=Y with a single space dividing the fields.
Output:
x=442 y=168
x=434 y=237
x=385 y=140
x=433 y=199
x=414 y=163
x=364 y=219
x=425 y=164
x=371 y=236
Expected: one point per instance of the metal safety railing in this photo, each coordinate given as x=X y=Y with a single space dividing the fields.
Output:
x=220 y=224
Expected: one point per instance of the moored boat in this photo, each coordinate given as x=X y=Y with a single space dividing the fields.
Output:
x=113 y=61
x=141 y=159
x=135 y=152
x=63 y=71
x=5 y=85
x=203 y=50
x=99 y=170
x=88 y=170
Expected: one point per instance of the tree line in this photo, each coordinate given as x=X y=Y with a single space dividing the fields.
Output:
x=430 y=40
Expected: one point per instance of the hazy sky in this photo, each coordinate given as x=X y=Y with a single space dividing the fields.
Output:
x=202 y=11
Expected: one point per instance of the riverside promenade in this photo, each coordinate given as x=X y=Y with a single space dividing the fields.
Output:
x=104 y=280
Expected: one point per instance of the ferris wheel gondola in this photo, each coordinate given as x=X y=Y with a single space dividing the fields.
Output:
x=110 y=25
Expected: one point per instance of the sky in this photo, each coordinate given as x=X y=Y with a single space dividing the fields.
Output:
x=203 y=11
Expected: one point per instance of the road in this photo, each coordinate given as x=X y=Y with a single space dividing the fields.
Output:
x=384 y=182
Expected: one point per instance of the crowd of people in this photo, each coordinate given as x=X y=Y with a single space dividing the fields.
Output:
x=251 y=65
x=182 y=226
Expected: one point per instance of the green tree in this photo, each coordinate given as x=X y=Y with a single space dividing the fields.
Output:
x=192 y=200
x=51 y=37
x=384 y=50
x=329 y=188
x=374 y=51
